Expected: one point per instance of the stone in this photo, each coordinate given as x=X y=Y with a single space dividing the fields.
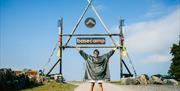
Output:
x=143 y=79
x=170 y=82
x=156 y=80
x=129 y=81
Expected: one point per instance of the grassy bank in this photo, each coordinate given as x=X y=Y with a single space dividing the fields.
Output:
x=52 y=86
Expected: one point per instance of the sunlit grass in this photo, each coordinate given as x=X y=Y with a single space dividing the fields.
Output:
x=52 y=86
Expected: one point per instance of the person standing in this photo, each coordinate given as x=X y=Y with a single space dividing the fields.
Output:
x=97 y=68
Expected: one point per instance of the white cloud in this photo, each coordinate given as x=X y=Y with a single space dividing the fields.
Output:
x=155 y=9
x=155 y=35
x=150 y=41
x=158 y=8
x=156 y=58
x=100 y=7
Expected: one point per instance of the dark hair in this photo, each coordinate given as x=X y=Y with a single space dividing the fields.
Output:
x=96 y=50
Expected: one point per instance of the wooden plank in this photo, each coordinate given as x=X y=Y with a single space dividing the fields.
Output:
x=90 y=34
x=89 y=46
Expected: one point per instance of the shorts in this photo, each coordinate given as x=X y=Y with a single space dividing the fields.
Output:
x=94 y=81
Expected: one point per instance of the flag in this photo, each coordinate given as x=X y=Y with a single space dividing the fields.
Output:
x=123 y=48
x=124 y=53
x=58 y=52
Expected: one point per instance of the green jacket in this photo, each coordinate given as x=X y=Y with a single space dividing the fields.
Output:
x=97 y=68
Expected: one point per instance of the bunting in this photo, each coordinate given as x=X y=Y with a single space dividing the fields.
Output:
x=123 y=48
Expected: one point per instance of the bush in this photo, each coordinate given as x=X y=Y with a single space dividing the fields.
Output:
x=10 y=81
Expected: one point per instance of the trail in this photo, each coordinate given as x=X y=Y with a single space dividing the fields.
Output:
x=106 y=86
x=113 y=87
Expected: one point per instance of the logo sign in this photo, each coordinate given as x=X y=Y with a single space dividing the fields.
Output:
x=90 y=22
x=90 y=40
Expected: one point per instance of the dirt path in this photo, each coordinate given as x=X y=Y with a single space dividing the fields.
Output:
x=106 y=86
x=112 y=87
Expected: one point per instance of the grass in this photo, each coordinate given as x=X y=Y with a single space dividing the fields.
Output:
x=116 y=82
x=52 y=86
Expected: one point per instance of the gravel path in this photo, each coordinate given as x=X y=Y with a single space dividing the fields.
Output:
x=112 y=87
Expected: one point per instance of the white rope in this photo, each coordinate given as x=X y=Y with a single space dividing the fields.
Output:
x=130 y=61
x=52 y=53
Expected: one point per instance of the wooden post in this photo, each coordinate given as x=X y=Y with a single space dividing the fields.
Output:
x=120 y=49
x=60 y=44
x=59 y=54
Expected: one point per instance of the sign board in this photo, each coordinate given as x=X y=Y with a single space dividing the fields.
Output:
x=90 y=40
x=90 y=22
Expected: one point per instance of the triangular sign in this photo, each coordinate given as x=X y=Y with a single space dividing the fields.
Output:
x=91 y=22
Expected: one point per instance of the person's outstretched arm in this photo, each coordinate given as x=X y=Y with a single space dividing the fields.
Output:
x=110 y=53
x=82 y=53
x=78 y=49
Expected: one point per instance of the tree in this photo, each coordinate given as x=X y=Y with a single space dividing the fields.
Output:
x=174 y=70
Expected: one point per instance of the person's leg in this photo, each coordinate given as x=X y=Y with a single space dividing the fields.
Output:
x=100 y=86
x=92 y=86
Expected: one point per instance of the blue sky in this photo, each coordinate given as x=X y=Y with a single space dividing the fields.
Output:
x=28 y=33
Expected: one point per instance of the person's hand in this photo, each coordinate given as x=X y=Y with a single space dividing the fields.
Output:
x=116 y=47
x=77 y=48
